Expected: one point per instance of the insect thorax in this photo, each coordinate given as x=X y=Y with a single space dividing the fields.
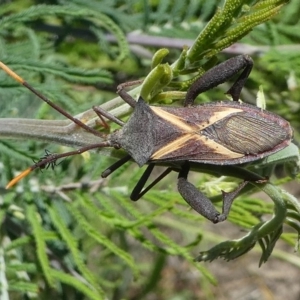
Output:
x=137 y=136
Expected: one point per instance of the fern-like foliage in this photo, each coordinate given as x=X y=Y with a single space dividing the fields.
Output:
x=66 y=233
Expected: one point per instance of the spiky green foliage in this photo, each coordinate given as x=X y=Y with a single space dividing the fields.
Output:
x=68 y=233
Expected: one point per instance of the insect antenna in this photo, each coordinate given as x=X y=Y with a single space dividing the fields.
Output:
x=19 y=79
x=50 y=160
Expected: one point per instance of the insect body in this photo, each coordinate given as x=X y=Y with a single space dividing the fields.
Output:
x=222 y=133
x=215 y=133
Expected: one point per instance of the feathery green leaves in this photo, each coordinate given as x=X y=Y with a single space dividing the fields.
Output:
x=69 y=232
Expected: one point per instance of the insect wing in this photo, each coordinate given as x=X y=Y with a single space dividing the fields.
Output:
x=220 y=133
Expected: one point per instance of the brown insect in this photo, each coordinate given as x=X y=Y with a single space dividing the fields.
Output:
x=219 y=133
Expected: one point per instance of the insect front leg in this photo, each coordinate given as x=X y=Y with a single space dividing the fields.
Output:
x=124 y=95
x=199 y=202
x=103 y=113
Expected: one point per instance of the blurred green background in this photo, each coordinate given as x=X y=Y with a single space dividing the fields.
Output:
x=67 y=233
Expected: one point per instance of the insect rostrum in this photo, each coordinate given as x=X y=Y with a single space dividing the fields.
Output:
x=220 y=133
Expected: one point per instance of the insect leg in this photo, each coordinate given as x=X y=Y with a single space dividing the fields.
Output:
x=115 y=166
x=124 y=95
x=195 y=198
x=138 y=191
x=229 y=197
x=103 y=113
x=219 y=74
x=202 y=204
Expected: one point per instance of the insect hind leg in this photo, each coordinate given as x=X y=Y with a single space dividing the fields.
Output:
x=219 y=74
x=200 y=203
